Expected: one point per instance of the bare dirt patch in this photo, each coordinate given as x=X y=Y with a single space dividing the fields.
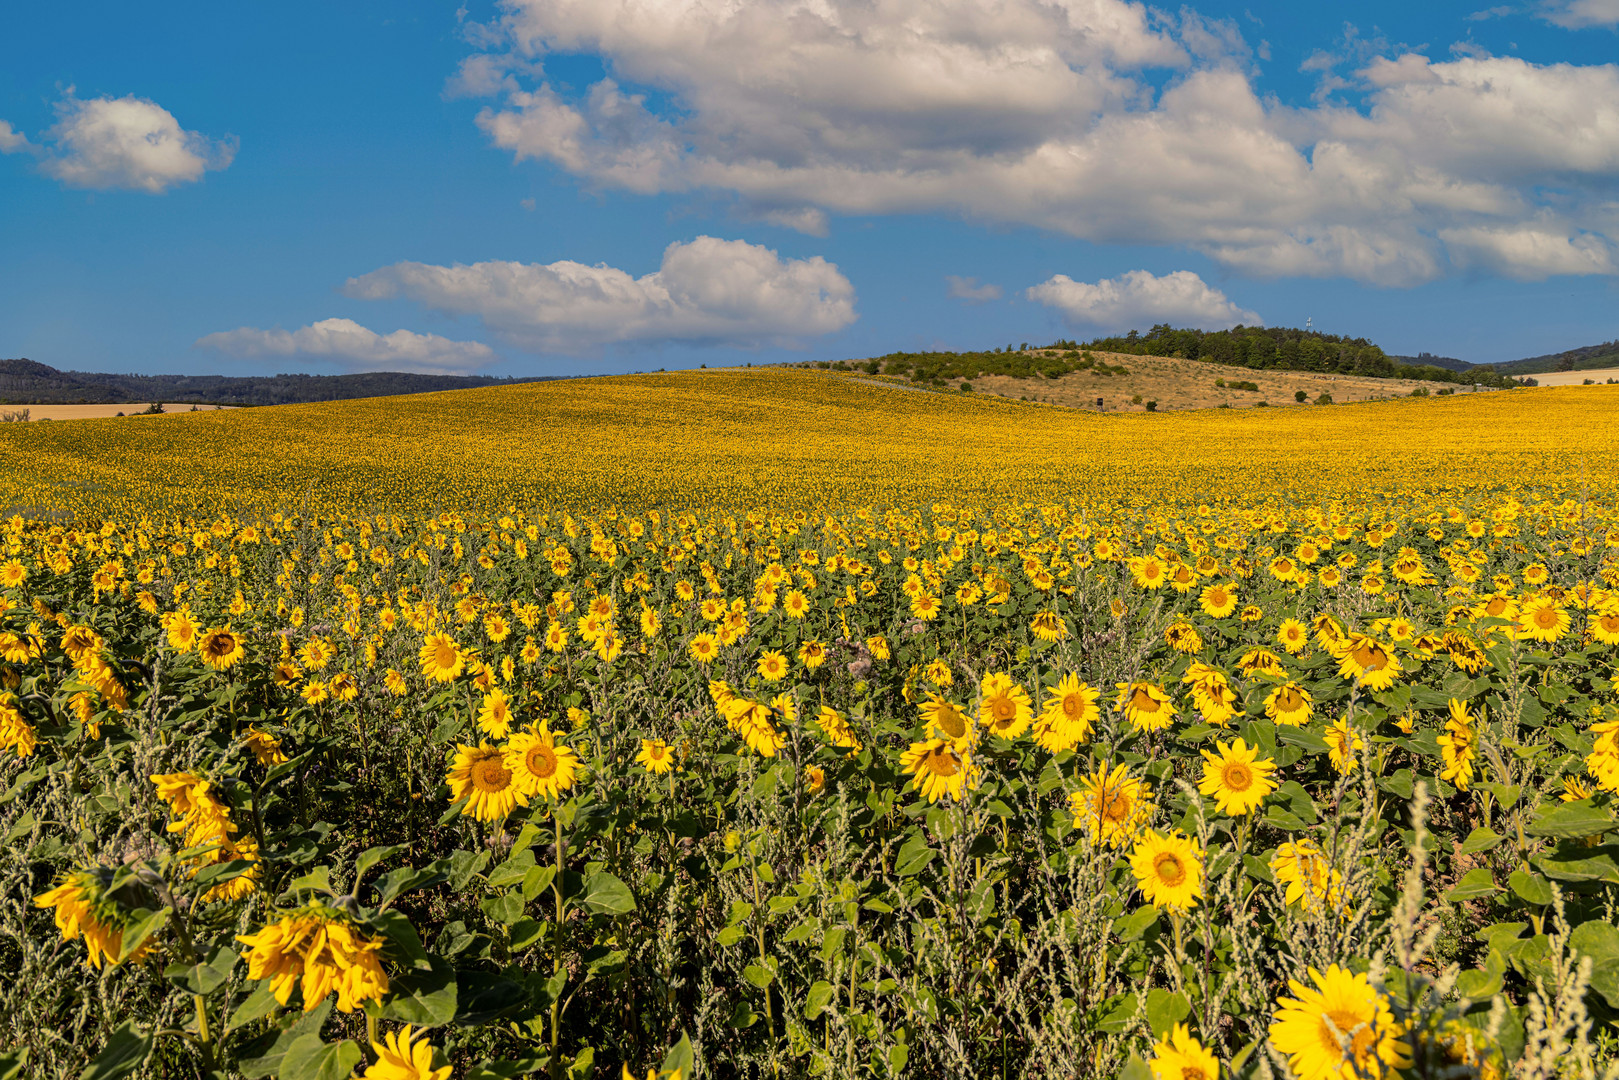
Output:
x=1195 y=384
x=1599 y=377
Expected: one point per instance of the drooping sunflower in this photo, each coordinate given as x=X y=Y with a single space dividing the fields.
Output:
x=481 y=779
x=1112 y=807
x=1339 y=1028
x=815 y=779
x=1004 y=707
x=939 y=767
x=1459 y=746
x=221 y=647
x=812 y=654
x=1178 y=1056
x=1168 y=870
x=83 y=909
x=1343 y=743
x=1289 y=704
x=1145 y=705
x=1069 y=716
x=949 y=721
x=1237 y=777
x=539 y=767
x=441 y=658
x=1048 y=626
x=1306 y=875
x=836 y=728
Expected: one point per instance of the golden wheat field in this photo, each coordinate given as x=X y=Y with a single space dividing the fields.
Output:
x=757 y=723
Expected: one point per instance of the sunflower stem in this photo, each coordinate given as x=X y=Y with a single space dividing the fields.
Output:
x=556 y=951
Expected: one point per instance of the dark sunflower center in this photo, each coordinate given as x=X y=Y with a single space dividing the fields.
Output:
x=1238 y=777
x=1169 y=869
x=542 y=761
x=491 y=774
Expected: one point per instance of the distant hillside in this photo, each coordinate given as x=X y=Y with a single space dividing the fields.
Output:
x=1449 y=363
x=1586 y=358
x=24 y=382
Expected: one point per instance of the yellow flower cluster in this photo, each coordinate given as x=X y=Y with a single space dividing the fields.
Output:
x=317 y=950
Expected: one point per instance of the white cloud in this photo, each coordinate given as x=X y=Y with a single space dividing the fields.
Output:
x=11 y=140
x=347 y=342
x=708 y=290
x=126 y=142
x=1579 y=14
x=1042 y=113
x=968 y=289
x=1140 y=298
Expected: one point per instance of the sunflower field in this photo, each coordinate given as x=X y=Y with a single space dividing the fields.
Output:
x=770 y=725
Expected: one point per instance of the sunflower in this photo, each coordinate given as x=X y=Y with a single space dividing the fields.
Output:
x=1147 y=572
x=609 y=644
x=1211 y=693
x=705 y=648
x=1112 y=807
x=1306 y=875
x=1168 y=870
x=182 y=629
x=1605 y=627
x=1251 y=613
x=441 y=658
x=878 y=647
x=1004 y=707
x=1459 y=746
x=1069 y=716
x=399 y=1058
x=656 y=757
x=815 y=779
x=1237 y=777
x=795 y=604
x=481 y=779
x=1342 y=1027
x=772 y=666
x=1048 y=626
x=539 y=767
x=556 y=637
x=266 y=748
x=812 y=654
x=83 y=909
x=1343 y=744
x=925 y=605
x=837 y=729
x=1543 y=620
x=949 y=721
x=1293 y=636
x=939 y=767
x=495 y=717
x=1218 y=601
x=13 y=573
x=1373 y=665
x=1261 y=661
x=1183 y=637
x=316 y=949
x=1289 y=704
x=1146 y=706
x=1178 y=1056
x=220 y=647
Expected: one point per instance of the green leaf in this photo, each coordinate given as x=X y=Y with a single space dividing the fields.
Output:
x=1480 y=839
x=12 y=1063
x=424 y=998
x=1600 y=941
x=1304 y=738
x=1572 y=819
x=1531 y=888
x=1165 y=1009
x=1474 y=884
x=506 y=908
x=125 y=1052
x=537 y=880
x=370 y=857
x=513 y=869
x=1484 y=984
x=1135 y=924
x=680 y=1057
x=136 y=933
x=395 y=883
x=317 y=880
x=914 y=856
x=1579 y=863
x=758 y=975
x=256 y=1006
x=269 y=1064
x=308 y=1058
x=607 y=895
x=730 y=936
x=205 y=977
x=816 y=1001
x=1135 y=1069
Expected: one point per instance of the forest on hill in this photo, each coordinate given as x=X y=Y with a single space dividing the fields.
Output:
x=26 y=382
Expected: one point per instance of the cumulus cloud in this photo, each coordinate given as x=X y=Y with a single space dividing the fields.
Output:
x=347 y=342
x=968 y=289
x=125 y=142
x=1579 y=14
x=1141 y=298
x=11 y=140
x=1047 y=113
x=708 y=290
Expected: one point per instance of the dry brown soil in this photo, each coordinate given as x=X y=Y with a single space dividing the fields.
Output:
x=92 y=412
x=1190 y=384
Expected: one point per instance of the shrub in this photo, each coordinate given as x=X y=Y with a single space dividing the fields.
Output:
x=1300 y=396
x=1324 y=399
x=1152 y=406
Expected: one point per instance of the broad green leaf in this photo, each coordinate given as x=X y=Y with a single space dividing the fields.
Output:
x=1531 y=888
x=1564 y=820
x=1474 y=884
x=124 y=1053
x=308 y=1058
x=607 y=895
x=817 y=999
x=1165 y=1009
x=424 y=998
x=680 y=1056
x=914 y=856
x=1480 y=839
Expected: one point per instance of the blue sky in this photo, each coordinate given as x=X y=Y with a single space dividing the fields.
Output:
x=196 y=187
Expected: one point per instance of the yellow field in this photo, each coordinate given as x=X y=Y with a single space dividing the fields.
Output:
x=773 y=437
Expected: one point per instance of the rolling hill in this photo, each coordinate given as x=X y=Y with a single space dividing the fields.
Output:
x=25 y=382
